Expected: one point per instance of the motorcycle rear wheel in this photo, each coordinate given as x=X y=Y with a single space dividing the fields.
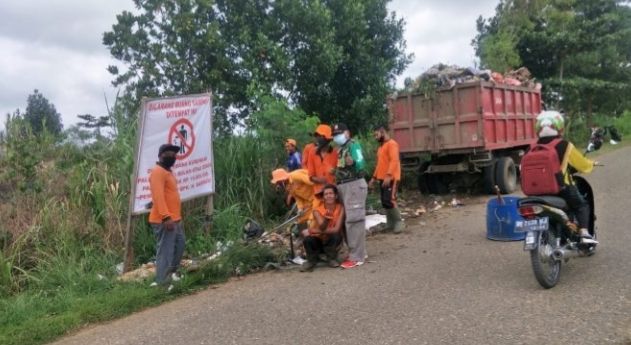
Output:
x=546 y=269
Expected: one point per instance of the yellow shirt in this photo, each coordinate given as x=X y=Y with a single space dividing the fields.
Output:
x=576 y=160
x=301 y=189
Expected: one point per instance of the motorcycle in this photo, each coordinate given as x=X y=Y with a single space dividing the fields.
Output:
x=597 y=137
x=552 y=235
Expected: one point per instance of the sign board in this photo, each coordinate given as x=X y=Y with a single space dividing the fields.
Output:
x=184 y=121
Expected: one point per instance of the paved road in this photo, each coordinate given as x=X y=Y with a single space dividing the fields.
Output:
x=441 y=282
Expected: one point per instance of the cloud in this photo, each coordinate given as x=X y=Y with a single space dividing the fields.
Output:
x=440 y=31
x=56 y=47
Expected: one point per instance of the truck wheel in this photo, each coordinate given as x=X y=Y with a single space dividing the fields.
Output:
x=506 y=175
x=488 y=175
x=422 y=179
x=436 y=184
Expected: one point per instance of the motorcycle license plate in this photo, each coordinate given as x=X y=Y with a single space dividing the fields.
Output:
x=538 y=224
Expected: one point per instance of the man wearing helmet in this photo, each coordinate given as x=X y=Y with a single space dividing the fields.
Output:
x=549 y=128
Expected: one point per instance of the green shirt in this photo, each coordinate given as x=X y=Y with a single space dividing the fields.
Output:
x=356 y=170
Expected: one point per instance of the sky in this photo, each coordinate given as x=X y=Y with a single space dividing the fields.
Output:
x=56 y=47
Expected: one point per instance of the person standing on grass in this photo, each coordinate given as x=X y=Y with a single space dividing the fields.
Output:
x=166 y=216
x=293 y=156
x=325 y=233
x=353 y=190
x=388 y=175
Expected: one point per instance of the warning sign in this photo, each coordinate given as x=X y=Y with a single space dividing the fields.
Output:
x=181 y=134
x=186 y=122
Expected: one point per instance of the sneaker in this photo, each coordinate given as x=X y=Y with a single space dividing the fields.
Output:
x=351 y=264
x=176 y=277
x=586 y=238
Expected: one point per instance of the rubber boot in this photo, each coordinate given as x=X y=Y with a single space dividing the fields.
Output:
x=397 y=222
x=331 y=256
x=312 y=261
x=389 y=220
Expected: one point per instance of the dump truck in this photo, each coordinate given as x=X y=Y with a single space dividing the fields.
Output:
x=472 y=134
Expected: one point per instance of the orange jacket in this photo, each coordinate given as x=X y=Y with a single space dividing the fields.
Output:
x=315 y=231
x=164 y=195
x=305 y=154
x=388 y=161
x=322 y=166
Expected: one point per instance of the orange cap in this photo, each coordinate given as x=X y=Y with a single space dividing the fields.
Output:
x=325 y=131
x=279 y=175
x=291 y=142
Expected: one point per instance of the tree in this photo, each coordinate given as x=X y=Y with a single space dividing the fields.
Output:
x=334 y=58
x=41 y=114
x=581 y=49
x=96 y=124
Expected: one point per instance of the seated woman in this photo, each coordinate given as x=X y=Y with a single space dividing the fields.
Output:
x=324 y=234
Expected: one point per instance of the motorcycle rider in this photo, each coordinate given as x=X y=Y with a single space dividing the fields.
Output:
x=549 y=126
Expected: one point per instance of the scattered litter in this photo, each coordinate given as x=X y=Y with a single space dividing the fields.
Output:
x=436 y=206
x=143 y=272
x=298 y=260
x=456 y=203
x=100 y=276
x=119 y=268
x=420 y=211
x=374 y=220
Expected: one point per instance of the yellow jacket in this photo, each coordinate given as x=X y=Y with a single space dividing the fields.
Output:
x=576 y=160
x=300 y=188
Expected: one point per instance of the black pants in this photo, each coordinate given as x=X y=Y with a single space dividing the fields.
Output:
x=577 y=204
x=388 y=194
x=314 y=246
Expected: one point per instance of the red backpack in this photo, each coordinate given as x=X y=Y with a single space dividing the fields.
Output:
x=541 y=170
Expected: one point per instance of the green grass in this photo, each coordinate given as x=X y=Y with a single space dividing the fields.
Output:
x=41 y=315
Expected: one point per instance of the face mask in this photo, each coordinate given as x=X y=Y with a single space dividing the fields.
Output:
x=340 y=139
x=168 y=161
x=322 y=142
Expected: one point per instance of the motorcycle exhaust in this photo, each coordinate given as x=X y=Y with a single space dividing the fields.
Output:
x=563 y=254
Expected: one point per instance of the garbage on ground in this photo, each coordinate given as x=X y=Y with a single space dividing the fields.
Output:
x=143 y=272
x=374 y=221
x=436 y=206
x=456 y=203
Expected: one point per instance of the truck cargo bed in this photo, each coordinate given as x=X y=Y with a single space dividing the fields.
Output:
x=469 y=117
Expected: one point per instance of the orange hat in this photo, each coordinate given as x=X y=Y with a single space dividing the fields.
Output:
x=291 y=142
x=325 y=131
x=279 y=175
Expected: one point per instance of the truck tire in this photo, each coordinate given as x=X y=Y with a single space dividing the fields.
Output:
x=506 y=175
x=436 y=184
x=488 y=176
x=422 y=179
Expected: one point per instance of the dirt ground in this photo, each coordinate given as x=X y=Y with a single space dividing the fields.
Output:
x=440 y=282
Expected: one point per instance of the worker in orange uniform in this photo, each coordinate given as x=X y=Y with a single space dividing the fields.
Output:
x=306 y=151
x=388 y=175
x=322 y=161
x=298 y=187
x=166 y=216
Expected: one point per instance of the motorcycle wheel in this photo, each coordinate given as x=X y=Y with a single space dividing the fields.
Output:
x=547 y=270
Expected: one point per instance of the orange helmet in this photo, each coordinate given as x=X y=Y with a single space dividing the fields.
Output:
x=325 y=131
x=279 y=175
